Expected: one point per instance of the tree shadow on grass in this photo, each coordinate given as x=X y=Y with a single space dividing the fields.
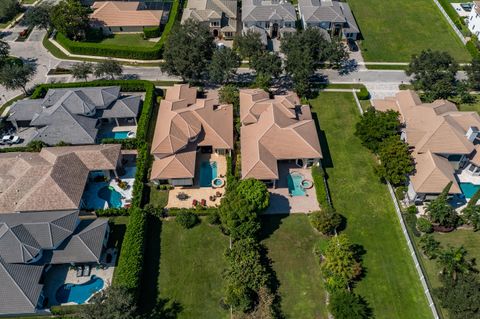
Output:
x=327 y=157
x=165 y=308
x=270 y=223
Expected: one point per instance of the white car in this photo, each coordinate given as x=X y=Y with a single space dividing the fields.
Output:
x=10 y=139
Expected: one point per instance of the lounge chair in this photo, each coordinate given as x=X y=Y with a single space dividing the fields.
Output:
x=195 y=202
x=87 y=270
x=203 y=202
x=79 y=271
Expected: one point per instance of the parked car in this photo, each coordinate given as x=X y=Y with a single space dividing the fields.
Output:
x=10 y=139
x=352 y=45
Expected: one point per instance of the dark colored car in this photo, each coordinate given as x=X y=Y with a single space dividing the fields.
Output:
x=352 y=45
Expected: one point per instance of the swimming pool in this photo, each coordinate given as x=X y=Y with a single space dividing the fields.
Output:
x=208 y=172
x=468 y=189
x=294 y=181
x=121 y=135
x=111 y=196
x=79 y=294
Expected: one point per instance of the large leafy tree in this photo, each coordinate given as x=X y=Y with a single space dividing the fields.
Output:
x=188 y=50
x=4 y=51
x=224 y=65
x=111 y=303
x=70 y=18
x=238 y=218
x=255 y=192
x=471 y=213
x=434 y=73
x=460 y=296
x=454 y=261
x=39 y=16
x=375 y=126
x=346 y=305
x=8 y=9
x=440 y=211
x=110 y=68
x=395 y=160
x=267 y=66
x=81 y=71
x=339 y=264
x=248 y=45
x=16 y=76
x=473 y=73
x=229 y=94
x=337 y=53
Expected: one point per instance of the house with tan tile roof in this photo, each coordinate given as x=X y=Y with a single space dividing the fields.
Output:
x=53 y=179
x=273 y=130
x=187 y=125
x=121 y=16
x=444 y=143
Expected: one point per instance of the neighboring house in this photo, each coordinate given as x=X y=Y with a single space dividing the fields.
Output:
x=75 y=115
x=274 y=16
x=331 y=15
x=273 y=130
x=219 y=15
x=444 y=144
x=31 y=242
x=127 y=17
x=262 y=32
x=185 y=126
x=473 y=21
x=55 y=178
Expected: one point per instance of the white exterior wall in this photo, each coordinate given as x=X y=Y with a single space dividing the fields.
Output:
x=474 y=21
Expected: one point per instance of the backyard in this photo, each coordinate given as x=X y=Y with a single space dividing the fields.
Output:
x=391 y=285
x=289 y=240
x=189 y=279
x=129 y=40
x=394 y=30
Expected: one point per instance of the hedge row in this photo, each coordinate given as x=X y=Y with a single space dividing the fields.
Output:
x=151 y=32
x=318 y=175
x=33 y=146
x=472 y=48
x=109 y=212
x=130 y=264
x=200 y=211
x=452 y=13
x=126 y=52
x=127 y=143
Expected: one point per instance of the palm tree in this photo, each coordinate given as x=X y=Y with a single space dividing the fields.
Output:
x=453 y=261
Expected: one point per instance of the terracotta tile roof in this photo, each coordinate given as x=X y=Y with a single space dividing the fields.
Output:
x=53 y=179
x=184 y=123
x=274 y=129
x=124 y=14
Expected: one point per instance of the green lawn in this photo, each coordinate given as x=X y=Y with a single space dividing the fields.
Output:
x=130 y=40
x=158 y=198
x=475 y=106
x=191 y=266
x=391 y=285
x=394 y=30
x=290 y=241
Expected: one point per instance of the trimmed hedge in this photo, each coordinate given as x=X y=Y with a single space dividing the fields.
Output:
x=151 y=32
x=130 y=263
x=199 y=211
x=33 y=146
x=66 y=310
x=363 y=94
x=126 y=52
x=127 y=143
x=472 y=48
x=108 y=212
x=318 y=175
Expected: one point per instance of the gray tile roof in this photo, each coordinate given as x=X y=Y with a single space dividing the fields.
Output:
x=71 y=115
x=257 y=10
x=262 y=32
x=20 y=287
x=316 y=11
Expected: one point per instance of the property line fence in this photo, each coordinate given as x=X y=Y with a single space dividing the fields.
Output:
x=413 y=253
x=449 y=20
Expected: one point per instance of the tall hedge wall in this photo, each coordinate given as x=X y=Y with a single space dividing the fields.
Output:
x=125 y=52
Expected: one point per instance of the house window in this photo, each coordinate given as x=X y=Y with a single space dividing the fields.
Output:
x=267 y=24
x=228 y=34
x=287 y=24
x=215 y=23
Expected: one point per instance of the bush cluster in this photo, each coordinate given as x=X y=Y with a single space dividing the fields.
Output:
x=424 y=225
x=108 y=212
x=318 y=175
x=363 y=94
x=127 y=143
x=326 y=221
x=199 y=211
x=33 y=146
x=126 y=52
x=187 y=219
x=151 y=32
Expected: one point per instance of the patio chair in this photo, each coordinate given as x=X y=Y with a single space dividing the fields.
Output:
x=87 y=270
x=79 y=271
x=195 y=202
x=203 y=202
x=218 y=194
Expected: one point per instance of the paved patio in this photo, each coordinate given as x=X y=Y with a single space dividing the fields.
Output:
x=280 y=200
x=197 y=192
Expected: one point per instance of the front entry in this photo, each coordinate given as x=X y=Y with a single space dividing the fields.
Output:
x=275 y=30
x=215 y=33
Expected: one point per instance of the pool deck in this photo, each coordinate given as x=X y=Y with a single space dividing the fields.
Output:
x=280 y=200
x=197 y=192
x=58 y=275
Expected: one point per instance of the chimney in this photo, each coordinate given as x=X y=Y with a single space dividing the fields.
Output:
x=472 y=133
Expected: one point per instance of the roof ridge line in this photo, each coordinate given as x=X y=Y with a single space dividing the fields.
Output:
x=15 y=283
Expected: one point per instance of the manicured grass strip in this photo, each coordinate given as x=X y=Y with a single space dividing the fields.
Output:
x=131 y=40
x=191 y=266
x=391 y=285
x=394 y=30
x=290 y=241
x=399 y=67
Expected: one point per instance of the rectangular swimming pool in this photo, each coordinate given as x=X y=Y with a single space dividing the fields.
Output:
x=120 y=135
x=208 y=172
x=294 y=181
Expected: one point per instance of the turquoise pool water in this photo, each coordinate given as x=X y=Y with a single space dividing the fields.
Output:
x=111 y=196
x=79 y=294
x=294 y=181
x=208 y=172
x=468 y=189
x=116 y=135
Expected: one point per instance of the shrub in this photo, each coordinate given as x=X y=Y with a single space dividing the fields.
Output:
x=127 y=143
x=199 y=211
x=151 y=32
x=326 y=220
x=400 y=192
x=472 y=49
x=112 y=212
x=411 y=220
x=363 y=94
x=213 y=218
x=424 y=225
x=347 y=305
x=187 y=219
x=318 y=175
x=255 y=192
x=33 y=146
